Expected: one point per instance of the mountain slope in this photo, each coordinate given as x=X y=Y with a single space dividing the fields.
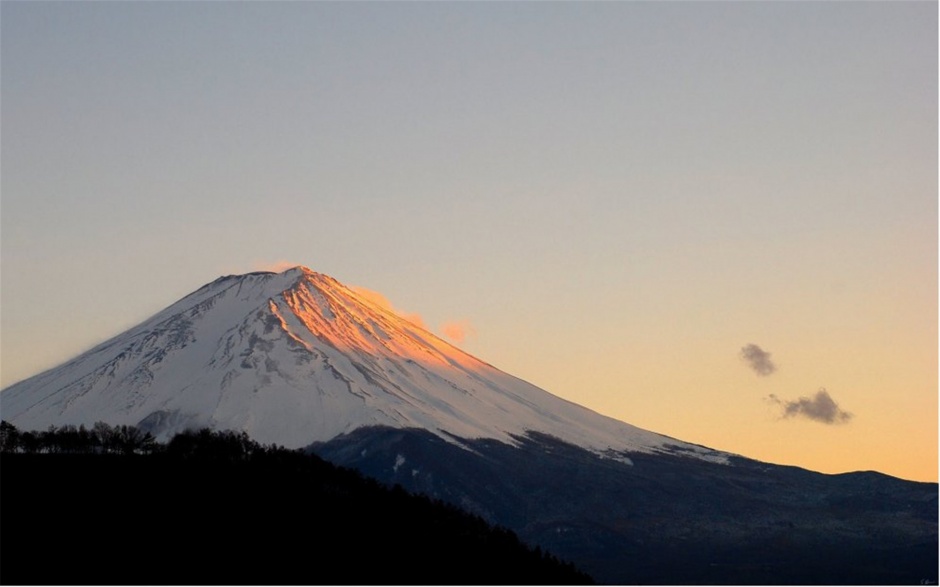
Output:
x=294 y=358
x=667 y=519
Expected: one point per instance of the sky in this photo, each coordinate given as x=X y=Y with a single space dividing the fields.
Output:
x=714 y=220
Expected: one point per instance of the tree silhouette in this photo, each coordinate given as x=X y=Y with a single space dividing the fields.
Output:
x=9 y=437
x=233 y=486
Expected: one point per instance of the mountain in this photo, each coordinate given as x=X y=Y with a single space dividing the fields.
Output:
x=298 y=359
x=668 y=519
x=295 y=358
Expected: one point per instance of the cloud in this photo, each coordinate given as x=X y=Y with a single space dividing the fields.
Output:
x=381 y=301
x=458 y=330
x=374 y=297
x=275 y=266
x=257 y=265
x=758 y=359
x=415 y=319
x=821 y=408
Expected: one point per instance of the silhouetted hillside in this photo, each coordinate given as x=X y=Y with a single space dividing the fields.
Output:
x=216 y=508
x=665 y=519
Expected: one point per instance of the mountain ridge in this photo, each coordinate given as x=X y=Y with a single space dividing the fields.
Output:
x=295 y=358
x=666 y=519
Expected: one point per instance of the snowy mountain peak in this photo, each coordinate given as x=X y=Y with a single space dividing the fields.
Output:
x=297 y=357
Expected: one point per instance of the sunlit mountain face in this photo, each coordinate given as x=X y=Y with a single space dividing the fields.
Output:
x=296 y=357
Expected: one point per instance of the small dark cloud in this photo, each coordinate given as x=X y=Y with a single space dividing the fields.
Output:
x=758 y=359
x=821 y=408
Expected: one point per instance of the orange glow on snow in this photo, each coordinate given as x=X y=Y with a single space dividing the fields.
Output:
x=359 y=319
x=381 y=301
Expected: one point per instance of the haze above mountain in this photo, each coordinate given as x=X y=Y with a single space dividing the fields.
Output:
x=296 y=357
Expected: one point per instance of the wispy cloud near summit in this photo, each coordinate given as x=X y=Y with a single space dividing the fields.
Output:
x=275 y=266
x=458 y=330
x=383 y=302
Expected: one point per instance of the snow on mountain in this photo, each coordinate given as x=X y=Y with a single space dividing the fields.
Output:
x=296 y=357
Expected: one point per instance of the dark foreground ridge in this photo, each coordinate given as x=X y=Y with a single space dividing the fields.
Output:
x=217 y=508
x=666 y=519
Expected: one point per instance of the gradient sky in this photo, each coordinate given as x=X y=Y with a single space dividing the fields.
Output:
x=612 y=198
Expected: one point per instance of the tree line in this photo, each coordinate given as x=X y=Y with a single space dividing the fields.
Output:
x=272 y=516
x=103 y=438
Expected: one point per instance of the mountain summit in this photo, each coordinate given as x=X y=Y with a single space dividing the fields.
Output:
x=295 y=358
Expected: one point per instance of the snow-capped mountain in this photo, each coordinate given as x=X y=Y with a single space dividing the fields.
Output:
x=298 y=359
x=294 y=358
